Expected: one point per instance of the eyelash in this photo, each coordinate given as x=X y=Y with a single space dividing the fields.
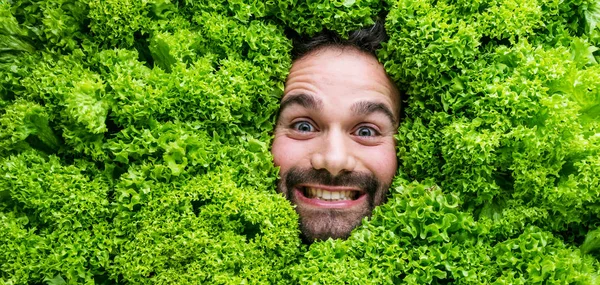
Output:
x=374 y=132
x=295 y=126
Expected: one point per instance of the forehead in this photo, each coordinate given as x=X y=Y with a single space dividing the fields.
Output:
x=332 y=70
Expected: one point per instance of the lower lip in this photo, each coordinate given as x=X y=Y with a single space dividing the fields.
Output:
x=328 y=204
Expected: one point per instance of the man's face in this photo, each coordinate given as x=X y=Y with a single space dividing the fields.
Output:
x=334 y=139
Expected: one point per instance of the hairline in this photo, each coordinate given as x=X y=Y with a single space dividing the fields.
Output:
x=334 y=46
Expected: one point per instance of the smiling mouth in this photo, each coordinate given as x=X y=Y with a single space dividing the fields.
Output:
x=330 y=196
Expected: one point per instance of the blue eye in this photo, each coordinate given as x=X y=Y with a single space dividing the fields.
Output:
x=303 y=127
x=366 y=132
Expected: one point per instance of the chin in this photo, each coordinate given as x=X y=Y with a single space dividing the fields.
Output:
x=322 y=224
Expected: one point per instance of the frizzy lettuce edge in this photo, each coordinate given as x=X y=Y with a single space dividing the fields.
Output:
x=135 y=136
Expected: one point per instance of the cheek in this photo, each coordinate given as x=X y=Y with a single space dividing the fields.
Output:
x=382 y=162
x=286 y=153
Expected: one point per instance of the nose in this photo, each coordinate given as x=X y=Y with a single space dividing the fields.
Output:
x=334 y=154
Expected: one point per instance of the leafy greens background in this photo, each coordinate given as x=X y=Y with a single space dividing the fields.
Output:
x=134 y=143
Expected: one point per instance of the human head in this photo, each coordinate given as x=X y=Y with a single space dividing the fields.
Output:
x=334 y=136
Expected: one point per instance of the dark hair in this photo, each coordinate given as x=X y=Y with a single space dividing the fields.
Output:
x=367 y=39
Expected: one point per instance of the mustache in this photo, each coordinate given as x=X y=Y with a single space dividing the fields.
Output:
x=364 y=181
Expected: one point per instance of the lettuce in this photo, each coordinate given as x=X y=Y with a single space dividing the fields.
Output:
x=134 y=143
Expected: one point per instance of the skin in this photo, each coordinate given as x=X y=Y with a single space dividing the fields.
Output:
x=335 y=132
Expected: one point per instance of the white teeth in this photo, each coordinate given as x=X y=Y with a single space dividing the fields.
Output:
x=335 y=195
x=329 y=195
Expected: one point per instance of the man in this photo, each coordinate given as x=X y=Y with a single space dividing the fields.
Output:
x=334 y=139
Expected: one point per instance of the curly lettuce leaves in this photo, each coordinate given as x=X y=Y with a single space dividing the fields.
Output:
x=134 y=143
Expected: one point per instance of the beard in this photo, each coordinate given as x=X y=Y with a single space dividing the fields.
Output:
x=323 y=223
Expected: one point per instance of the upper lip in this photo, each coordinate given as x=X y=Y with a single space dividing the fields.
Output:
x=330 y=188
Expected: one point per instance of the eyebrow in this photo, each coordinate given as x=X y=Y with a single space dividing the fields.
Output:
x=368 y=107
x=304 y=100
x=358 y=108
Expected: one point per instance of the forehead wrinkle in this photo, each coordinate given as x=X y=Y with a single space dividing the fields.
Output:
x=368 y=107
x=304 y=100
